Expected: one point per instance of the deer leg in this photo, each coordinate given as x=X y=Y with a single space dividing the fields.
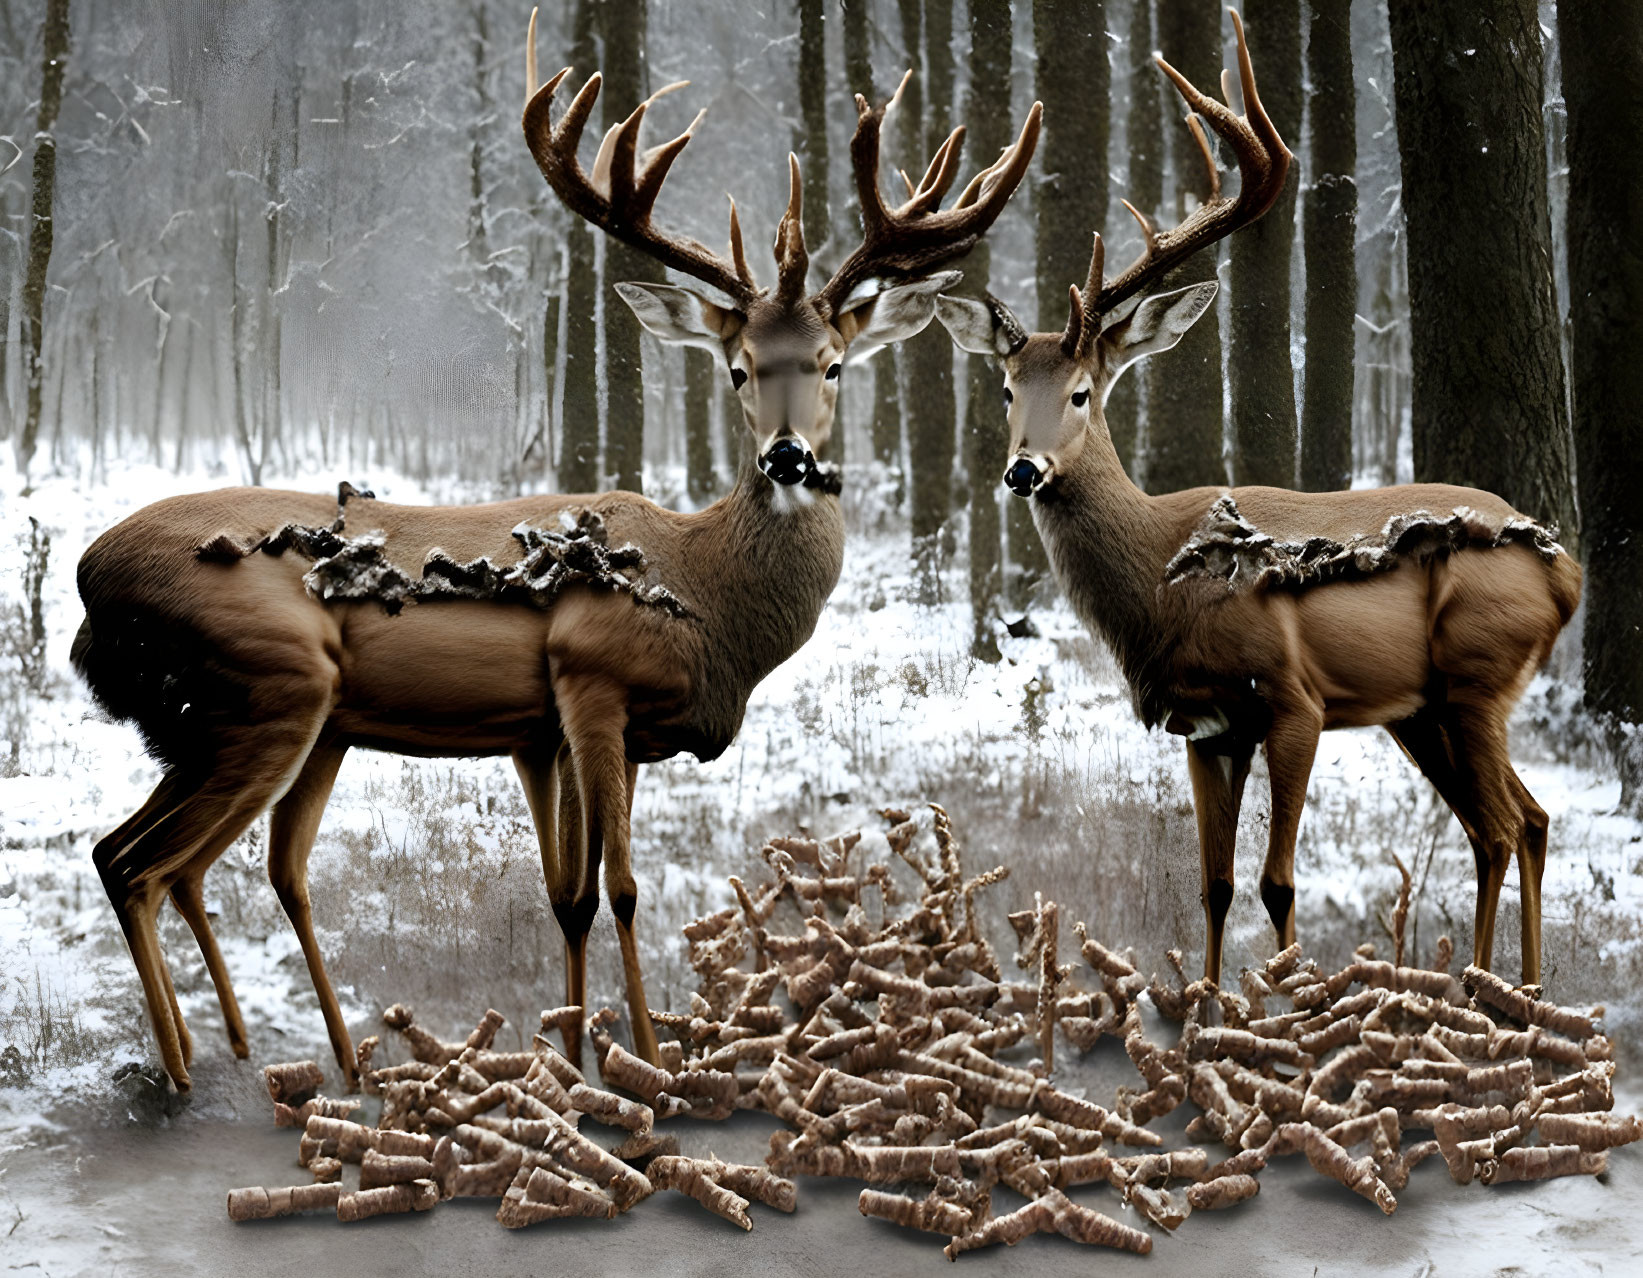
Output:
x=548 y=774
x=1422 y=738
x=188 y=895
x=1477 y=733
x=135 y=909
x=139 y=868
x=291 y=830
x=1531 y=865
x=1291 y=746
x=594 y=713
x=623 y=890
x=1218 y=769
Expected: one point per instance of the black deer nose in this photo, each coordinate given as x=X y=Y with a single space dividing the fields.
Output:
x=1023 y=477
x=787 y=461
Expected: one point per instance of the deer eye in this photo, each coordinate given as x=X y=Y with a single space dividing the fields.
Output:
x=833 y=373
x=1008 y=397
x=1080 y=398
x=737 y=378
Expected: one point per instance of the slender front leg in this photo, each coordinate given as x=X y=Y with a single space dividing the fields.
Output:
x=1218 y=769
x=548 y=773
x=594 y=712
x=1291 y=746
x=291 y=830
x=1531 y=864
x=1477 y=731
x=188 y=895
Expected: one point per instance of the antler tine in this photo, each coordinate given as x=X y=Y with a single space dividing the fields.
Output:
x=1073 y=336
x=938 y=177
x=1263 y=165
x=1211 y=171
x=530 y=59
x=738 y=255
x=656 y=162
x=621 y=192
x=917 y=237
x=792 y=258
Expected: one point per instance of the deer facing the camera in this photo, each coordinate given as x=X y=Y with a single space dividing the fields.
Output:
x=1260 y=616
x=250 y=682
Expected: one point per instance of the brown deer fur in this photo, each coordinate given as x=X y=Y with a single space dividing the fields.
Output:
x=1437 y=651
x=251 y=690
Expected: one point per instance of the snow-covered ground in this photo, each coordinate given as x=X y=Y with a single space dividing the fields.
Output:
x=427 y=882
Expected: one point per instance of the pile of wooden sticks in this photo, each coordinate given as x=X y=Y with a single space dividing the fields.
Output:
x=879 y=1025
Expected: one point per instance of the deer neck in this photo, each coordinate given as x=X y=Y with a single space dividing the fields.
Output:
x=1108 y=545
x=768 y=559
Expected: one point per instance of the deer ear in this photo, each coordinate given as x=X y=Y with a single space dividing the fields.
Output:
x=890 y=315
x=1157 y=324
x=681 y=315
x=977 y=327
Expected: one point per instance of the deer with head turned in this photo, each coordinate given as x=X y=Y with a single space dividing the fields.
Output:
x=1260 y=616
x=205 y=626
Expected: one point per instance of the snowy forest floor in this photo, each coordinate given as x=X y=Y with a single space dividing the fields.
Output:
x=427 y=889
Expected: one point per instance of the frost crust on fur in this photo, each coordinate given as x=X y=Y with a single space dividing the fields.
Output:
x=577 y=553
x=1228 y=547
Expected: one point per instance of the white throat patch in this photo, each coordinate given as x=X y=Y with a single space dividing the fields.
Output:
x=791 y=497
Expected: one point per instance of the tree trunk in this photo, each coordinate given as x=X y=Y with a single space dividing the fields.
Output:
x=810 y=143
x=55 y=40
x=858 y=76
x=624 y=23
x=1144 y=188
x=1184 y=422
x=1072 y=79
x=1603 y=66
x=1330 y=224
x=1070 y=200
x=986 y=437
x=700 y=481
x=1262 y=371
x=811 y=140
x=931 y=408
x=1489 y=408
x=579 y=469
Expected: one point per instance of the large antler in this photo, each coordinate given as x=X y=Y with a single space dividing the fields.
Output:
x=914 y=238
x=1263 y=163
x=621 y=192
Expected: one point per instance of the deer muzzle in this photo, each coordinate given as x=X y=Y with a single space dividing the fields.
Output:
x=787 y=461
x=1027 y=475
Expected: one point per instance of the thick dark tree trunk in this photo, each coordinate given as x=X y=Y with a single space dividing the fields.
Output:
x=931 y=406
x=700 y=481
x=886 y=391
x=1070 y=200
x=1144 y=189
x=1329 y=220
x=1262 y=372
x=579 y=469
x=858 y=76
x=624 y=28
x=1602 y=69
x=1184 y=425
x=986 y=437
x=1489 y=407
x=54 y=60
x=810 y=143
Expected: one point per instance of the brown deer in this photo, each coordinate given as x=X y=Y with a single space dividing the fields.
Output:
x=204 y=621
x=1260 y=615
